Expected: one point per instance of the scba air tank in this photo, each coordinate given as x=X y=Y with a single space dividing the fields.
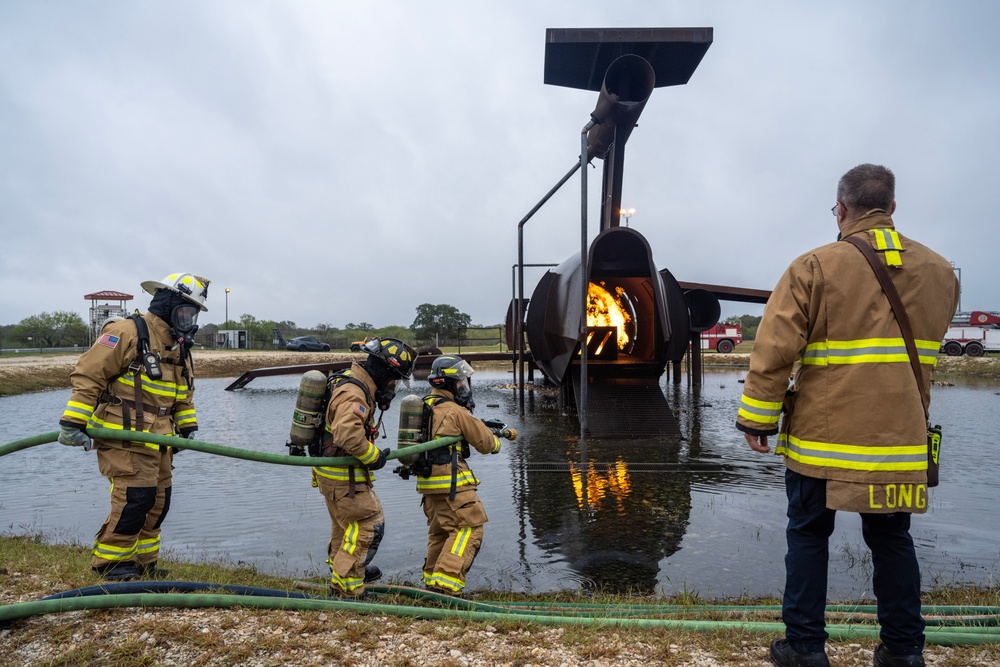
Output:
x=308 y=416
x=411 y=412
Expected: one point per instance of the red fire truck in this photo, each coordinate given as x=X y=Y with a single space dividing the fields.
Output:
x=723 y=337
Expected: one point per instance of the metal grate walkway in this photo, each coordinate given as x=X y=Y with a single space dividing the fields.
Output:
x=627 y=408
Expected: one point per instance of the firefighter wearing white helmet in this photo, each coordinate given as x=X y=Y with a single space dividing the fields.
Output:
x=137 y=376
x=356 y=518
x=455 y=515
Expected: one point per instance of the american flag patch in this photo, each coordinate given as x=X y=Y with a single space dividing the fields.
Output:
x=360 y=409
x=107 y=340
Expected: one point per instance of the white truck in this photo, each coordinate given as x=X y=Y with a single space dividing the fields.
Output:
x=981 y=335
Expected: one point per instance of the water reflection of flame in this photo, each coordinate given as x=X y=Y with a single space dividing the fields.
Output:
x=614 y=482
x=606 y=310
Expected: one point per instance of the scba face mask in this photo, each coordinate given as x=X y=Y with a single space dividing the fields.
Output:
x=384 y=396
x=184 y=321
x=463 y=393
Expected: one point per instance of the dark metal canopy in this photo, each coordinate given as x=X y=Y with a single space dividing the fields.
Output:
x=579 y=57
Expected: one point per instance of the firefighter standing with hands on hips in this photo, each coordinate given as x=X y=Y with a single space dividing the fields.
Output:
x=455 y=515
x=355 y=511
x=137 y=376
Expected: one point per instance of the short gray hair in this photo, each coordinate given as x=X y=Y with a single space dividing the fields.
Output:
x=867 y=186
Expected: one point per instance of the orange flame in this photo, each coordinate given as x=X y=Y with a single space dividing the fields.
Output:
x=605 y=310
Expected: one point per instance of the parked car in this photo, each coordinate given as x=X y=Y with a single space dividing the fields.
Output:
x=304 y=343
x=358 y=344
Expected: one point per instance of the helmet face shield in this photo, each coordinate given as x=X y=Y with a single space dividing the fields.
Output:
x=184 y=318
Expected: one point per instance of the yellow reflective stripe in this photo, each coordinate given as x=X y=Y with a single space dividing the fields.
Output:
x=343 y=474
x=351 y=538
x=464 y=478
x=81 y=411
x=868 y=350
x=762 y=412
x=97 y=422
x=496 y=445
x=442 y=580
x=888 y=240
x=371 y=454
x=185 y=417
x=853 y=457
x=148 y=546
x=156 y=387
x=461 y=541
x=344 y=583
x=109 y=552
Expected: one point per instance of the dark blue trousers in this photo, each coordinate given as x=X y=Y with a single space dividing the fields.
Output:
x=895 y=577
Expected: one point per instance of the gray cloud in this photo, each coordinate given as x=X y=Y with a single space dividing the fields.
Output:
x=335 y=162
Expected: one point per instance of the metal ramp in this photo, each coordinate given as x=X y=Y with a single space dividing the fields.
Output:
x=624 y=408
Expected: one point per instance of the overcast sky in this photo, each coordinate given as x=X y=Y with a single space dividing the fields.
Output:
x=335 y=162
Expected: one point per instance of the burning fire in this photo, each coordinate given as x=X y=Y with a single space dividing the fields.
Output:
x=605 y=310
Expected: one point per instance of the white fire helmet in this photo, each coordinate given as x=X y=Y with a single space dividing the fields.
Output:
x=191 y=287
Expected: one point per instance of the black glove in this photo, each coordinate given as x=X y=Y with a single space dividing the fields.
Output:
x=379 y=463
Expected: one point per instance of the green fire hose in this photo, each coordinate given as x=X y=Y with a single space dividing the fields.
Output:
x=947 y=625
x=221 y=450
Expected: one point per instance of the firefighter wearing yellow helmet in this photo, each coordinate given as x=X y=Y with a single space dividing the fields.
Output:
x=358 y=523
x=137 y=376
x=455 y=515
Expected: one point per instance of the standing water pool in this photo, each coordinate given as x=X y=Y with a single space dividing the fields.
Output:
x=702 y=513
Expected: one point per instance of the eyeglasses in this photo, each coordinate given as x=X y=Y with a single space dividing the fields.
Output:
x=834 y=209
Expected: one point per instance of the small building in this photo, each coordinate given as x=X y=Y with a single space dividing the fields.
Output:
x=232 y=339
x=102 y=312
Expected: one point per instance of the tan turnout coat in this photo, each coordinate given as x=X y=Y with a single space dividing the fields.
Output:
x=853 y=412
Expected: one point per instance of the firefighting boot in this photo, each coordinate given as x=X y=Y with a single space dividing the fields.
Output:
x=123 y=571
x=372 y=573
x=150 y=571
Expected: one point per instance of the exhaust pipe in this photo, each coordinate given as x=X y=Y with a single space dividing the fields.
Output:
x=627 y=86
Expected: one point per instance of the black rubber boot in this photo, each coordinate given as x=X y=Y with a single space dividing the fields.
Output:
x=124 y=571
x=150 y=571
x=783 y=655
x=372 y=573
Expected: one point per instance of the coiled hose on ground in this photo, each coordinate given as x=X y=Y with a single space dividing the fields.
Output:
x=946 y=625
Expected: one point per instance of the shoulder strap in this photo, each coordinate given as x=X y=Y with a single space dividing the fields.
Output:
x=898 y=310
x=142 y=329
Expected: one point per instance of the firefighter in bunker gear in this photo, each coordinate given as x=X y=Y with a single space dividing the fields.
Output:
x=853 y=416
x=455 y=515
x=137 y=376
x=350 y=430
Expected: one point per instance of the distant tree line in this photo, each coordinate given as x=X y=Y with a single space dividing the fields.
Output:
x=439 y=325
x=749 y=324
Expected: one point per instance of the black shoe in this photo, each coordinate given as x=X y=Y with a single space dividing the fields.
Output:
x=372 y=573
x=783 y=655
x=150 y=571
x=125 y=571
x=882 y=658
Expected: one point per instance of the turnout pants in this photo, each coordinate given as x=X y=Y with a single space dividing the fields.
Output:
x=895 y=571
x=357 y=528
x=454 y=535
x=140 y=499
